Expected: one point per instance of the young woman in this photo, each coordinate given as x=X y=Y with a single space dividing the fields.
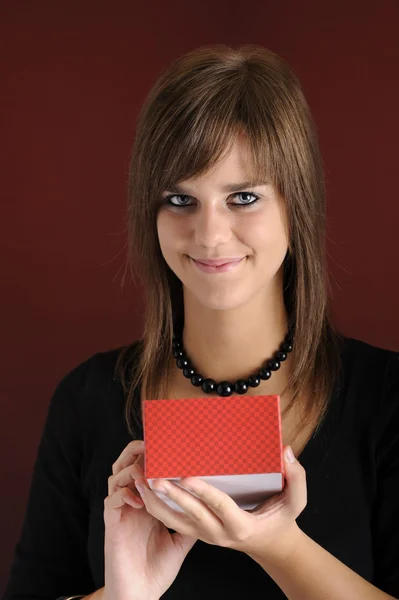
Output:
x=225 y=170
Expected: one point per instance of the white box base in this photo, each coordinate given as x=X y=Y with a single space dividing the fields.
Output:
x=247 y=490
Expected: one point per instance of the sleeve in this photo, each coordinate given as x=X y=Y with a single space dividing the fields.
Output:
x=385 y=524
x=51 y=557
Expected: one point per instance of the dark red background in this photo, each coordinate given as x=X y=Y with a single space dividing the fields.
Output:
x=73 y=76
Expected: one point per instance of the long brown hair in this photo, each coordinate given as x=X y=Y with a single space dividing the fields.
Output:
x=188 y=120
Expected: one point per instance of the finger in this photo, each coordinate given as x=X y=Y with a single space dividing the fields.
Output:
x=296 y=489
x=115 y=507
x=120 y=498
x=224 y=507
x=125 y=478
x=160 y=510
x=194 y=507
x=128 y=456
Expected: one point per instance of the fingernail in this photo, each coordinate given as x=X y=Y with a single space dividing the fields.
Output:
x=139 y=487
x=290 y=455
x=163 y=488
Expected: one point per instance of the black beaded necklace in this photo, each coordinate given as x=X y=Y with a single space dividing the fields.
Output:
x=226 y=388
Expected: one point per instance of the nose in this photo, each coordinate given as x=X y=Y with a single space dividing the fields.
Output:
x=212 y=226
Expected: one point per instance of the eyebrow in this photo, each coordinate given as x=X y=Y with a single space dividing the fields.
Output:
x=231 y=187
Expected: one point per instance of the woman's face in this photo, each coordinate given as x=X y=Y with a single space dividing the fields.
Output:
x=219 y=216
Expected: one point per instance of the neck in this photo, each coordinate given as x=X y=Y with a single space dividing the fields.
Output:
x=233 y=344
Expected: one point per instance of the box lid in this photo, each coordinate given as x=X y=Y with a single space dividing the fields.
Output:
x=193 y=437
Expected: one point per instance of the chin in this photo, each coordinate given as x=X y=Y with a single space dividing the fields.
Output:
x=219 y=300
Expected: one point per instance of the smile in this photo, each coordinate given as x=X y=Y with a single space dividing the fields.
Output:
x=224 y=268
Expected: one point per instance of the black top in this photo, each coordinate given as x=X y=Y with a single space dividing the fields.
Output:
x=352 y=467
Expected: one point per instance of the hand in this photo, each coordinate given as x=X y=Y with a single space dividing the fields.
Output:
x=215 y=518
x=142 y=558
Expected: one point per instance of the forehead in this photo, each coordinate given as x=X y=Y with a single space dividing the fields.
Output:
x=184 y=187
x=234 y=169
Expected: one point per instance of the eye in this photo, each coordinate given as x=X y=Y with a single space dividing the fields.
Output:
x=246 y=202
x=184 y=197
x=168 y=200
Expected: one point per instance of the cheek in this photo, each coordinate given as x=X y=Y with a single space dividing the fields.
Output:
x=165 y=229
x=263 y=234
x=171 y=233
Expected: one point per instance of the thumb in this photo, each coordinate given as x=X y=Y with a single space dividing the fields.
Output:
x=295 y=488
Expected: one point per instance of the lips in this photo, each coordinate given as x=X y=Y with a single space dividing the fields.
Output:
x=218 y=262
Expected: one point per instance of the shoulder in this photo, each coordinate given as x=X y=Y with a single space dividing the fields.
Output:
x=372 y=375
x=94 y=382
x=358 y=353
x=369 y=367
x=99 y=368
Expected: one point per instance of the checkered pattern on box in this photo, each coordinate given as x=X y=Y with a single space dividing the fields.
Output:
x=212 y=436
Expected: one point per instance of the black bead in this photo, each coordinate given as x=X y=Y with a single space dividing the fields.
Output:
x=208 y=385
x=253 y=380
x=273 y=365
x=197 y=379
x=286 y=347
x=265 y=374
x=241 y=386
x=188 y=372
x=224 y=388
x=182 y=363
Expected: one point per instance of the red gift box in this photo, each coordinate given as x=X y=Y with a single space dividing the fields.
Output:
x=233 y=443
